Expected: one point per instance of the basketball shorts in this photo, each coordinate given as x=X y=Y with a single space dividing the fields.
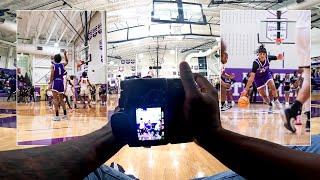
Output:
x=57 y=86
x=260 y=82
x=84 y=92
x=69 y=92
x=286 y=88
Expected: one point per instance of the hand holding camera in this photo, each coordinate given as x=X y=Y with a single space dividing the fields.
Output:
x=200 y=107
x=161 y=111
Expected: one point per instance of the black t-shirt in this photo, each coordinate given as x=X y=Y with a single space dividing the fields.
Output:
x=294 y=79
x=277 y=82
x=255 y=65
x=286 y=82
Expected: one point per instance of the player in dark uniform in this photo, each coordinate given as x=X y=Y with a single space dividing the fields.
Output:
x=277 y=82
x=103 y=94
x=57 y=85
x=230 y=80
x=286 y=88
x=12 y=84
x=262 y=77
x=295 y=81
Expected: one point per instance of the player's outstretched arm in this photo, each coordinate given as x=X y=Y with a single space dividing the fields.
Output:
x=73 y=159
x=249 y=157
x=66 y=58
x=278 y=57
x=249 y=84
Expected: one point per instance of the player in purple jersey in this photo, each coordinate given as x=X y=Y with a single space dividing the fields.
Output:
x=262 y=76
x=57 y=86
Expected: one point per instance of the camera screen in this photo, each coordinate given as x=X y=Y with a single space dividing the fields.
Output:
x=150 y=123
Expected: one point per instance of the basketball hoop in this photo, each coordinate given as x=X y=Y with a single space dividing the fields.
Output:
x=278 y=41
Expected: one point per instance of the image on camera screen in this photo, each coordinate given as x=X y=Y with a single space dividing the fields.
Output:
x=150 y=123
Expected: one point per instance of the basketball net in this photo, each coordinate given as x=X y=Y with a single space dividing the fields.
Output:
x=278 y=41
x=279 y=48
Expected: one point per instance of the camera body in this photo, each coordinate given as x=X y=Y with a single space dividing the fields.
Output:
x=151 y=113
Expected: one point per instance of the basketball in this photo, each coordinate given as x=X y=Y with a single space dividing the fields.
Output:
x=243 y=101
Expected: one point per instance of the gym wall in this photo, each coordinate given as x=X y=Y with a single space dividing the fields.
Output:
x=41 y=65
x=97 y=68
x=169 y=63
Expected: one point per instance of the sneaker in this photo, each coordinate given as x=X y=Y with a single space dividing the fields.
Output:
x=270 y=103
x=277 y=103
x=64 y=117
x=225 y=107
x=56 y=118
x=289 y=120
x=232 y=103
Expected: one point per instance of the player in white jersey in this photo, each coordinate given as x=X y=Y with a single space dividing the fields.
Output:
x=69 y=91
x=49 y=97
x=84 y=89
x=302 y=41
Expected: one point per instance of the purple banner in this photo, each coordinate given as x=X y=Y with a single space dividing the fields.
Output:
x=37 y=89
x=237 y=87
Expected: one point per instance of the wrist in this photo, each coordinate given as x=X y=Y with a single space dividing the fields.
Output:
x=207 y=138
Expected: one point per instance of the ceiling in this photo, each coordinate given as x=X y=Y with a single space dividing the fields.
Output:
x=49 y=27
x=121 y=14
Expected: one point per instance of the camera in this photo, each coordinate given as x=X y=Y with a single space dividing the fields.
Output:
x=151 y=113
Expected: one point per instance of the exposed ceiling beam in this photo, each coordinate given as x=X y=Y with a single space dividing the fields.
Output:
x=30 y=22
x=52 y=30
x=42 y=23
x=66 y=28
x=7 y=42
x=80 y=29
x=315 y=20
x=75 y=33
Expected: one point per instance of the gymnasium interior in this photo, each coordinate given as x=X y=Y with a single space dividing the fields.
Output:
x=127 y=38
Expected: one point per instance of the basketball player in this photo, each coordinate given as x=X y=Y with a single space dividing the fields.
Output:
x=230 y=80
x=224 y=86
x=84 y=89
x=295 y=83
x=103 y=95
x=56 y=85
x=65 y=81
x=303 y=48
x=69 y=93
x=277 y=83
x=12 y=85
x=286 y=87
x=49 y=97
x=262 y=77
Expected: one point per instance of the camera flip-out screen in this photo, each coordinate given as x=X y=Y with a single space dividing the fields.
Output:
x=150 y=123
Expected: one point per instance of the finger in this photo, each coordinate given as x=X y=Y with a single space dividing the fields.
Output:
x=187 y=79
x=203 y=83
